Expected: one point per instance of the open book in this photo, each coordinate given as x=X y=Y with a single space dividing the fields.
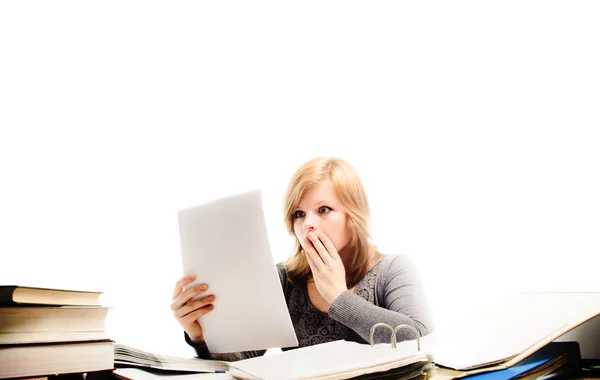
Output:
x=127 y=356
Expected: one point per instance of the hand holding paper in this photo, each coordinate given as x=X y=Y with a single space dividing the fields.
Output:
x=188 y=311
x=225 y=244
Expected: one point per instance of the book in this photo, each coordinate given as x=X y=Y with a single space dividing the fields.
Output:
x=52 y=318
x=50 y=337
x=41 y=324
x=225 y=244
x=126 y=356
x=49 y=359
x=14 y=295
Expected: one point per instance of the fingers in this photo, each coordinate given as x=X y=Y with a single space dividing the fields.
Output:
x=193 y=316
x=329 y=246
x=324 y=255
x=314 y=258
x=193 y=306
x=183 y=281
x=188 y=294
x=311 y=256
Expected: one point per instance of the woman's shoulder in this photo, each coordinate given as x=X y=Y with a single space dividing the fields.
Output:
x=394 y=258
x=283 y=274
x=281 y=267
x=395 y=263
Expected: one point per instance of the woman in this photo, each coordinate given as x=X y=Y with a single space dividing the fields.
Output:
x=336 y=284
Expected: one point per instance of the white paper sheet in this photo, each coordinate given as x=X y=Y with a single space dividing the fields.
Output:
x=225 y=244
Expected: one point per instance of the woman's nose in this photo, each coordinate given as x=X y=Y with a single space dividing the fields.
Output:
x=310 y=222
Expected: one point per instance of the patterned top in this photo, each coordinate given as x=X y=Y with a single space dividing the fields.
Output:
x=313 y=326
x=390 y=292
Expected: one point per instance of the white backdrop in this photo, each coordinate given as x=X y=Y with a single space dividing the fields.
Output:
x=473 y=125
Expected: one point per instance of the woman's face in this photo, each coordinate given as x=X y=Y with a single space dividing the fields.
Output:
x=319 y=210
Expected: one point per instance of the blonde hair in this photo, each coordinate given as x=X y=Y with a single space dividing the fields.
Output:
x=351 y=194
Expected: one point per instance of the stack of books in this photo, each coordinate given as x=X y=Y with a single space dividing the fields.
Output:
x=52 y=331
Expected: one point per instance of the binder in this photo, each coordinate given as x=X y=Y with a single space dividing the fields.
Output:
x=341 y=360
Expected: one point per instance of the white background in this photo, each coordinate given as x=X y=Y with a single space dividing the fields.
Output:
x=474 y=126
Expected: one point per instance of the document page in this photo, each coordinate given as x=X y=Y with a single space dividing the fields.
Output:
x=225 y=244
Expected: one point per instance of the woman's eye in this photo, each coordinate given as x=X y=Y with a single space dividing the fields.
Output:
x=324 y=209
x=297 y=214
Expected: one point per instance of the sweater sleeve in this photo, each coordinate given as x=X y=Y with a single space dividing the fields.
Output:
x=404 y=303
x=202 y=351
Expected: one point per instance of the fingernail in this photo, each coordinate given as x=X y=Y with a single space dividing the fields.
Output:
x=202 y=288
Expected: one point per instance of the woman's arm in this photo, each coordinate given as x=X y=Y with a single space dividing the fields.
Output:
x=404 y=303
x=203 y=353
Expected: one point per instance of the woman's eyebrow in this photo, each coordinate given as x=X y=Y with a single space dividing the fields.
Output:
x=300 y=207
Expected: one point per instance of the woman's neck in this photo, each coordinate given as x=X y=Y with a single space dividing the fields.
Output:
x=346 y=254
